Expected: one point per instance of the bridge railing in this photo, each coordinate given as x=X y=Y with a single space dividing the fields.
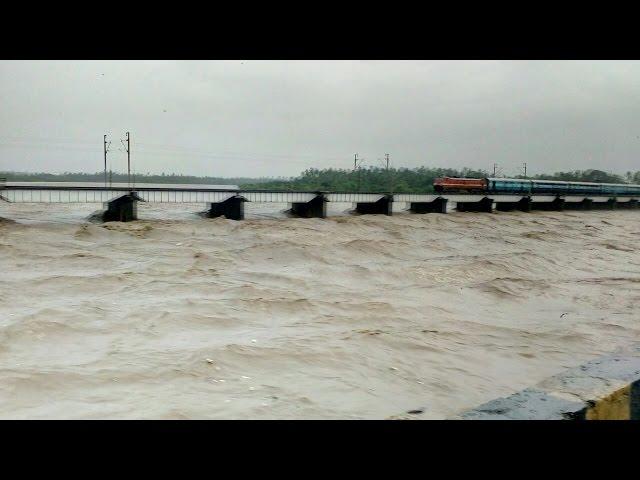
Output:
x=157 y=194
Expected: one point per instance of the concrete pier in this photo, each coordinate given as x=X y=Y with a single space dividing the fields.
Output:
x=523 y=205
x=316 y=208
x=383 y=206
x=232 y=208
x=228 y=202
x=122 y=209
x=484 y=205
x=439 y=205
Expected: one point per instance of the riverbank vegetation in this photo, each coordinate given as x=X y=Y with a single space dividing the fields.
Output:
x=371 y=179
x=117 y=177
x=405 y=180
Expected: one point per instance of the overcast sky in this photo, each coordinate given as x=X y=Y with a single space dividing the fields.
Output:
x=273 y=118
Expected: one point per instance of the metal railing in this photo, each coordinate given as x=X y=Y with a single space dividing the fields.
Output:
x=95 y=194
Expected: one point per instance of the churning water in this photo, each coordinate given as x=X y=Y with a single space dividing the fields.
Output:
x=176 y=316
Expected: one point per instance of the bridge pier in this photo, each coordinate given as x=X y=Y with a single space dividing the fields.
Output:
x=122 y=209
x=439 y=205
x=315 y=208
x=484 y=205
x=232 y=208
x=383 y=206
x=556 y=205
x=523 y=205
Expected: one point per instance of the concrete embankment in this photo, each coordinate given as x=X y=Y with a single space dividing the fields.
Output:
x=607 y=388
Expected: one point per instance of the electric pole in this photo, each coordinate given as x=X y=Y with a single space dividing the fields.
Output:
x=129 y=159
x=497 y=171
x=524 y=166
x=356 y=167
x=386 y=156
x=128 y=150
x=106 y=149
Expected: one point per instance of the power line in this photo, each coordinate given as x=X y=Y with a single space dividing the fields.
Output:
x=153 y=149
x=145 y=150
x=52 y=147
x=45 y=140
x=156 y=146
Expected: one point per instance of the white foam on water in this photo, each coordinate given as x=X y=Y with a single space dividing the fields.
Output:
x=178 y=316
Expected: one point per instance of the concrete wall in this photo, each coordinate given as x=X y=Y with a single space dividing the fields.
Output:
x=607 y=388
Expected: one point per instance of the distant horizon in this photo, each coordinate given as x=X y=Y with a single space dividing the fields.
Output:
x=407 y=180
x=276 y=177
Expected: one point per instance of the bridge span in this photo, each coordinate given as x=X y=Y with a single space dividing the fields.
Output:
x=121 y=200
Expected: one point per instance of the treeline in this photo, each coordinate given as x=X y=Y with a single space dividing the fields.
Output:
x=413 y=180
x=371 y=179
x=122 y=177
x=597 y=176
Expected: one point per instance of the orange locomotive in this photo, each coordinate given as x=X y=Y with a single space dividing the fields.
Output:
x=462 y=185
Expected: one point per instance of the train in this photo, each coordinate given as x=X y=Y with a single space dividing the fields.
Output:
x=517 y=186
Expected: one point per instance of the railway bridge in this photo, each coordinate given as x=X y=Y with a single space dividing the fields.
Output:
x=120 y=202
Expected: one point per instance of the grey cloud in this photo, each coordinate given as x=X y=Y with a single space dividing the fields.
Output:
x=272 y=118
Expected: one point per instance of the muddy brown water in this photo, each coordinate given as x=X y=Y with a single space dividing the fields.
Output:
x=175 y=316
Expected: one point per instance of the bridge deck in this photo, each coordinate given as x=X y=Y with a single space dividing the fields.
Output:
x=38 y=193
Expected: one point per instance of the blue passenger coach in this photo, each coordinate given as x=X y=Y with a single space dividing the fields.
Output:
x=509 y=185
x=553 y=187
